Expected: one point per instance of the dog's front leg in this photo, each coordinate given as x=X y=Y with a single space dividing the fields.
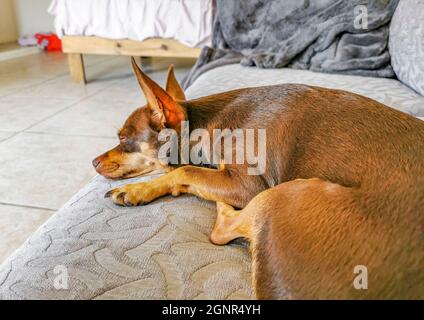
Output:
x=139 y=193
x=211 y=184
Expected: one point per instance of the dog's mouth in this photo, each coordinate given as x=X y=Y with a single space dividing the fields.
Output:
x=111 y=171
x=132 y=174
x=106 y=169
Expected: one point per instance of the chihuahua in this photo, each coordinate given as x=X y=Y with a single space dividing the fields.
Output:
x=341 y=196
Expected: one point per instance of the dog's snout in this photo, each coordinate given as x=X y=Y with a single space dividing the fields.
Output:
x=96 y=163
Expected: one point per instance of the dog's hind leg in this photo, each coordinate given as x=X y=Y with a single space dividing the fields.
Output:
x=231 y=224
x=314 y=239
x=306 y=237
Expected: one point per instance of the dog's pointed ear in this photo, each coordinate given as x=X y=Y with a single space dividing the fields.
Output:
x=165 y=111
x=173 y=87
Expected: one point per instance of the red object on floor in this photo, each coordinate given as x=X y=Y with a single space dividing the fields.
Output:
x=49 y=42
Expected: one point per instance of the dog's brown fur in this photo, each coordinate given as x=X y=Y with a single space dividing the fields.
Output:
x=344 y=185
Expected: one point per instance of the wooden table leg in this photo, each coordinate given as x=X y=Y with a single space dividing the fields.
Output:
x=76 y=68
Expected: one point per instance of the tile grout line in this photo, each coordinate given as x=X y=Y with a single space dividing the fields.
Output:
x=25 y=88
x=72 y=104
x=25 y=130
x=26 y=206
x=69 y=135
x=65 y=108
x=15 y=133
x=46 y=118
x=59 y=111
x=50 y=79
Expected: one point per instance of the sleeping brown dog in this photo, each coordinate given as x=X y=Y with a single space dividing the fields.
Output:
x=343 y=185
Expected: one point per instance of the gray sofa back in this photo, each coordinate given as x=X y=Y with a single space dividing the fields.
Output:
x=406 y=43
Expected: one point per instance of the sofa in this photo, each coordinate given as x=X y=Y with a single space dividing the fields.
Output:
x=92 y=249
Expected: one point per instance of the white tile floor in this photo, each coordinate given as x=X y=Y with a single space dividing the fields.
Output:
x=51 y=129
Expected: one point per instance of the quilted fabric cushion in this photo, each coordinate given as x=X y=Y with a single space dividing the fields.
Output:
x=406 y=43
x=387 y=91
x=158 y=251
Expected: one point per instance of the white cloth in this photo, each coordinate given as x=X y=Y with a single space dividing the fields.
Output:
x=188 y=21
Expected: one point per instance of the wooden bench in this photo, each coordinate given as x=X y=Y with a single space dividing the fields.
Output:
x=76 y=46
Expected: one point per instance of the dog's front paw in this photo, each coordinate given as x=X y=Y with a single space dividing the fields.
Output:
x=131 y=195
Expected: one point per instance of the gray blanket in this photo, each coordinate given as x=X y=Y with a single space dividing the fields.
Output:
x=335 y=36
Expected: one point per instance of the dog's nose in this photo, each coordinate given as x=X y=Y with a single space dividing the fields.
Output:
x=96 y=162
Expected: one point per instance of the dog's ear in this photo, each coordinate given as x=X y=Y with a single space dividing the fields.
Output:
x=165 y=111
x=173 y=87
